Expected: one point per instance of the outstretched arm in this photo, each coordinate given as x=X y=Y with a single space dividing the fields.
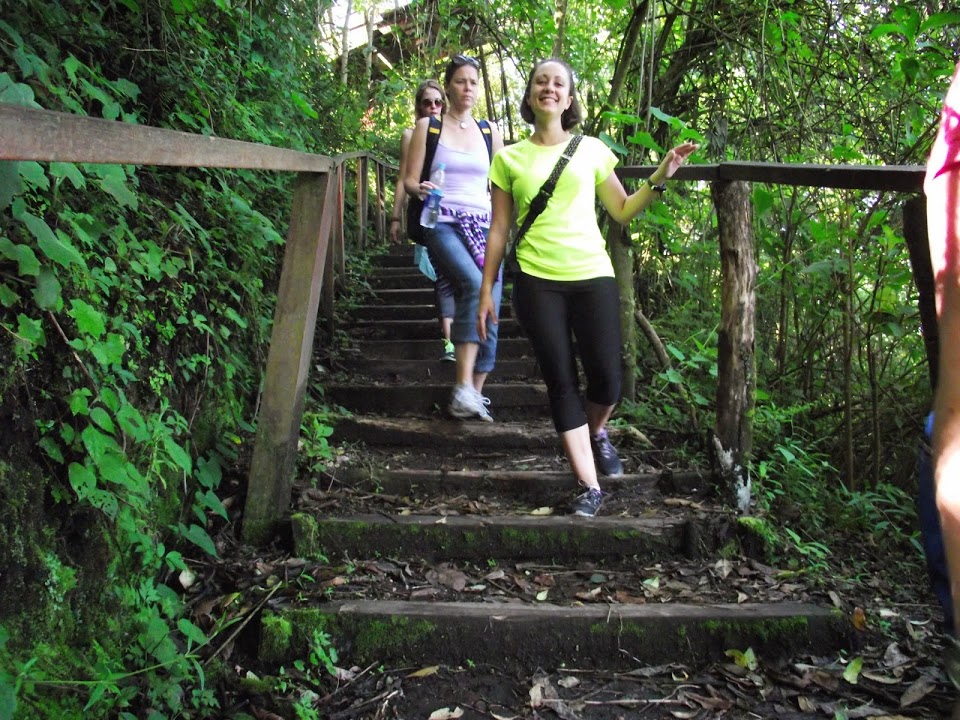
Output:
x=622 y=207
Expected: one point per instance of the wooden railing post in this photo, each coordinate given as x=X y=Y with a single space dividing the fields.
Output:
x=362 y=171
x=289 y=360
x=736 y=382
x=618 y=240
x=382 y=223
x=918 y=244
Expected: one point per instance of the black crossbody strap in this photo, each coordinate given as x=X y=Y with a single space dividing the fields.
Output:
x=539 y=203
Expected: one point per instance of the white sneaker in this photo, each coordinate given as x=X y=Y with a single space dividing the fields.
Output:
x=466 y=403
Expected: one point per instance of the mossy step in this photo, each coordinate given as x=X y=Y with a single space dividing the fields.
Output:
x=445 y=434
x=434 y=369
x=523 y=637
x=528 y=485
x=420 y=329
x=507 y=402
x=478 y=538
x=381 y=312
x=419 y=349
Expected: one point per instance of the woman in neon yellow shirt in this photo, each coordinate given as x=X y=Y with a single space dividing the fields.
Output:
x=566 y=288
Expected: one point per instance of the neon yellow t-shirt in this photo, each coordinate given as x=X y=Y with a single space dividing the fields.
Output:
x=564 y=242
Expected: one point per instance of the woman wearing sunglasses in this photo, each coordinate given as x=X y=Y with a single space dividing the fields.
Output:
x=428 y=101
x=566 y=288
x=458 y=241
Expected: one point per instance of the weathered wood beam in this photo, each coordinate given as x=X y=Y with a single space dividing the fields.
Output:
x=288 y=363
x=897 y=178
x=47 y=136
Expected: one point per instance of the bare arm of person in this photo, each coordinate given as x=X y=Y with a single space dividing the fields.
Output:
x=942 y=187
x=400 y=195
x=496 y=248
x=622 y=207
x=416 y=154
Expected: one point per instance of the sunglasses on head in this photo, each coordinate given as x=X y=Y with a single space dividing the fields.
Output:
x=460 y=60
x=430 y=102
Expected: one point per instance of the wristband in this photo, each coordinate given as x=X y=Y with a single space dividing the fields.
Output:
x=661 y=188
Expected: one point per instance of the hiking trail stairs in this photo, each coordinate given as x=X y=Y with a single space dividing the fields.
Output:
x=444 y=542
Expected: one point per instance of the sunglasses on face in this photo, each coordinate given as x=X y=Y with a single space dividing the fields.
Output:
x=430 y=102
x=460 y=60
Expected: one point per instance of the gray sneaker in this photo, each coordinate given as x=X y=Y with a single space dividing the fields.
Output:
x=605 y=456
x=466 y=403
x=587 y=504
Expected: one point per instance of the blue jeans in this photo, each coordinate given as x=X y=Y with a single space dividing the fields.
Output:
x=453 y=258
x=931 y=532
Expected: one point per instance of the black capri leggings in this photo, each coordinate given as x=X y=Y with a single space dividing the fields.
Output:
x=553 y=313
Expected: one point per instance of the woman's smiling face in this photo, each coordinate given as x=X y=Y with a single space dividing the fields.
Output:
x=549 y=90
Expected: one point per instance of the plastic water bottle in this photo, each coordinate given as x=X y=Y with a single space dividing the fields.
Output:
x=431 y=207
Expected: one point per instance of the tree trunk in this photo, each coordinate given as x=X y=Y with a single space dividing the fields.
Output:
x=736 y=384
x=345 y=43
x=561 y=18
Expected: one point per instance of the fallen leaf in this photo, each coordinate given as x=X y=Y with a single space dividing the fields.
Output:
x=852 y=672
x=446 y=714
x=589 y=595
x=536 y=695
x=859 y=619
x=542 y=595
x=542 y=511
x=568 y=682
x=835 y=599
x=495 y=575
x=443 y=521
x=425 y=672
x=545 y=580
x=921 y=687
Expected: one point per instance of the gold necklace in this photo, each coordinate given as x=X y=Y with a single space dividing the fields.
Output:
x=464 y=124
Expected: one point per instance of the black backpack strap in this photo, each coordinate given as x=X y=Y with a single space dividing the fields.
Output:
x=433 y=139
x=487 y=137
x=539 y=203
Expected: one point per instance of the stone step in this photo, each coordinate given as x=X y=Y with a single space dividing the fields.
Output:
x=519 y=637
x=436 y=370
x=405 y=296
x=408 y=312
x=395 y=258
x=525 y=485
x=421 y=349
x=478 y=538
x=418 y=329
x=508 y=403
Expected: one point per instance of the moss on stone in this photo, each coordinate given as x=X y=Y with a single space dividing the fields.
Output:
x=276 y=633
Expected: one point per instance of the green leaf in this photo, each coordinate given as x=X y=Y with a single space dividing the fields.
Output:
x=208 y=473
x=199 y=537
x=33 y=174
x=110 y=351
x=762 y=200
x=113 y=180
x=82 y=479
x=670 y=120
x=645 y=139
x=132 y=423
x=89 y=320
x=70 y=66
x=9 y=182
x=55 y=246
x=50 y=446
x=852 y=672
x=178 y=454
x=191 y=631
x=23 y=254
x=98 y=445
x=102 y=418
x=47 y=293
x=940 y=20
x=613 y=144
x=69 y=171
x=79 y=404
x=8 y=298
x=212 y=502
x=29 y=333
x=303 y=105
